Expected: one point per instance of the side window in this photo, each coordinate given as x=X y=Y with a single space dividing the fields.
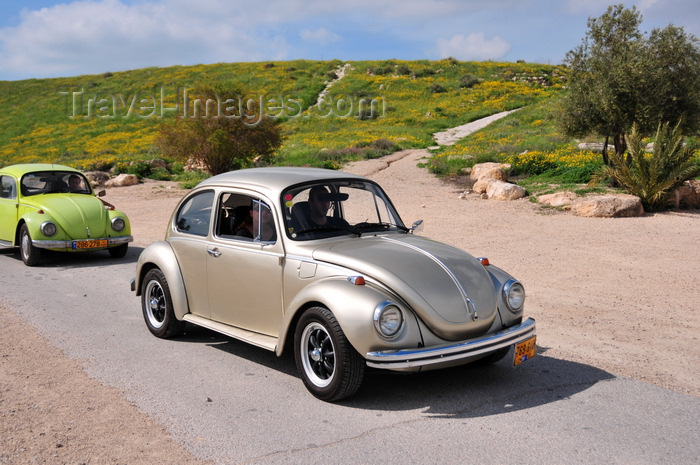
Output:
x=194 y=215
x=246 y=218
x=9 y=190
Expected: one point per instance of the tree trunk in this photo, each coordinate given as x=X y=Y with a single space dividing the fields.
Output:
x=606 y=159
x=620 y=144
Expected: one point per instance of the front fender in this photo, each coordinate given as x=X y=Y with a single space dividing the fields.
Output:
x=118 y=213
x=353 y=307
x=33 y=220
x=499 y=278
x=160 y=255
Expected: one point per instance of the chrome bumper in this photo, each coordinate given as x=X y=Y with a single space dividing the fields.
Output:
x=111 y=241
x=471 y=348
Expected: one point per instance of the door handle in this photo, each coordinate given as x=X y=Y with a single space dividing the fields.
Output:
x=214 y=252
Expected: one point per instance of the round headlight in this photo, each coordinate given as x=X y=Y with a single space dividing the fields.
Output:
x=48 y=228
x=514 y=295
x=388 y=320
x=118 y=224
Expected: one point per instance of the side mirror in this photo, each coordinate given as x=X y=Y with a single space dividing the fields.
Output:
x=417 y=226
x=102 y=193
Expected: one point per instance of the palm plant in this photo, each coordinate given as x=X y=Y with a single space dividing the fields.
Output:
x=652 y=177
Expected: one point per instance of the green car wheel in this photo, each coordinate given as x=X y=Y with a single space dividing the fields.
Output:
x=30 y=254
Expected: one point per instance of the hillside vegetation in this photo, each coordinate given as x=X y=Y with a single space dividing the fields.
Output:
x=99 y=121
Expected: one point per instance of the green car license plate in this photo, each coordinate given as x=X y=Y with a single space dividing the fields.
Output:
x=525 y=350
x=94 y=244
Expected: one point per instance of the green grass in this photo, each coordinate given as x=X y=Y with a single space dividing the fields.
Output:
x=54 y=120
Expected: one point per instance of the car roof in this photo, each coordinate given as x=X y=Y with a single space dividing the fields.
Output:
x=19 y=170
x=276 y=179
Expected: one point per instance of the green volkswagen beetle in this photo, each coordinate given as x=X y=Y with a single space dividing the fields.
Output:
x=47 y=206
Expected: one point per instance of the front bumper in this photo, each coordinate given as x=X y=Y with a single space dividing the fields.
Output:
x=449 y=354
x=111 y=241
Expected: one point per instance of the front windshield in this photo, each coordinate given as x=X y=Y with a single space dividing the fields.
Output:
x=54 y=182
x=335 y=208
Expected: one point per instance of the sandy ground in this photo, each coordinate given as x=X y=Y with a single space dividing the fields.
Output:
x=619 y=294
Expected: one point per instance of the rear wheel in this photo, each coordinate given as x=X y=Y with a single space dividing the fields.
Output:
x=118 y=251
x=330 y=367
x=30 y=254
x=157 y=306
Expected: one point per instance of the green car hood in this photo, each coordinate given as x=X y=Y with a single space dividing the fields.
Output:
x=448 y=288
x=79 y=215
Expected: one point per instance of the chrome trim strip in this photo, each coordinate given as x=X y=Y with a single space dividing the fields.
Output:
x=409 y=358
x=69 y=244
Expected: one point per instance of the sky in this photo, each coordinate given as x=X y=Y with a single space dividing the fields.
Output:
x=54 y=38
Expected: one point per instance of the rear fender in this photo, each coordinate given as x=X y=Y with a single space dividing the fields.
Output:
x=160 y=255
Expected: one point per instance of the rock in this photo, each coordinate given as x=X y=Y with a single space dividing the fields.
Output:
x=499 y=190
x=158 y=163
x=595 y=146
x=123 y=180
x=489 y=170
x=481 y=185
x=97 y=178
x=558 y=199
x=688 y=195
x=608 y=206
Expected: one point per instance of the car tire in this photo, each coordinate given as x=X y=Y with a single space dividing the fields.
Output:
x=157 y=306
x=118 y=251
x=30 y=254
x=329 y=366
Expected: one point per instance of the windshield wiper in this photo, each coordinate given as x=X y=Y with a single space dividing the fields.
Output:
x=326 y=228
x=381 y=225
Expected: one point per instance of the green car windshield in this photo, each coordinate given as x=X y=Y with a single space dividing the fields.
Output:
x=54 y=182
x=334 y=208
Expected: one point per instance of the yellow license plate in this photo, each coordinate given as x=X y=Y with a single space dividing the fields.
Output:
x=90 y=244
x=525 y=350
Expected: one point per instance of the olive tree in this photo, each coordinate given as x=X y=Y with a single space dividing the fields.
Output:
x=221 y=129
x=620 y=77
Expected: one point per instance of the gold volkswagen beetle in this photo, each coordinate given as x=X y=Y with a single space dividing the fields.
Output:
x=322 y=259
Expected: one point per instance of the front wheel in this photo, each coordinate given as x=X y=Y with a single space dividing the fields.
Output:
x=157 y=306
x=30 y=254
x=330 y=367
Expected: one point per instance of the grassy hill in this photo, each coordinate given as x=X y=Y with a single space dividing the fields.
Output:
x=97 y=121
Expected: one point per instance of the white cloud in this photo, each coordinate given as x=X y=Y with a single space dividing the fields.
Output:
x=98 y=36
x=320 y=35
x=473 y=47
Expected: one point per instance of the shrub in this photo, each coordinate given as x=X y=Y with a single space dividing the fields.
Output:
x=141 y=169
x=652 y=177
x=221 y=143
x=467 y=81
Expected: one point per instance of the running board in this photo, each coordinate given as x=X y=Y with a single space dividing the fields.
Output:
x=6 y=244
x=257 y=339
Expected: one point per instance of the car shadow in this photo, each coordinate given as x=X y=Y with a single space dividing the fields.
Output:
x=52 y=259
x=459 y=392
x=476 y=391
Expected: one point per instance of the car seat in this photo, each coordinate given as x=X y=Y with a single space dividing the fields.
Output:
x=301 y=214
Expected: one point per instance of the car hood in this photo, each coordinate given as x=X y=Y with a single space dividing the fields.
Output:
x=448 y=288
x=75 y=212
